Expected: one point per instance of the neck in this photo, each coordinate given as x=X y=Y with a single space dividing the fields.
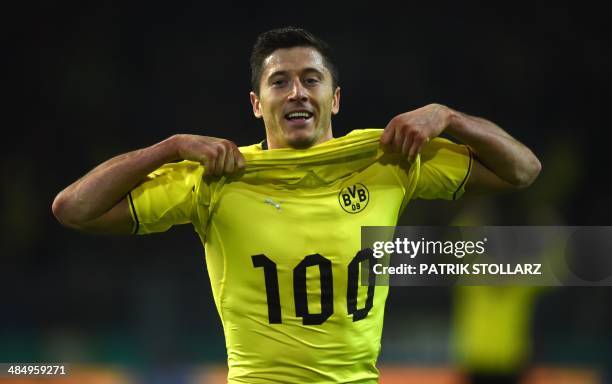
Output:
x=274 y=142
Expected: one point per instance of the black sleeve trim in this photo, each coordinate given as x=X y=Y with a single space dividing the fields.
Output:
x=137 y=223
x=466 y=175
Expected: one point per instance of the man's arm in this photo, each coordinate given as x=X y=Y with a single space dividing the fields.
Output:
x=96 y=202
x=502 y=162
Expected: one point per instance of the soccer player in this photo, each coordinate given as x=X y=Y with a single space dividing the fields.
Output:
x=280 y=220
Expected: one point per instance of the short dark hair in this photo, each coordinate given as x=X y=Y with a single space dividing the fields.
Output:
x=288 y=37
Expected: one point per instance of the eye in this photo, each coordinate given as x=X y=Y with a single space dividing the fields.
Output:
x=278 y=83
x=311 y=81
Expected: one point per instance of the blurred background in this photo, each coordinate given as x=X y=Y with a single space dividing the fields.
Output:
x=96 y=79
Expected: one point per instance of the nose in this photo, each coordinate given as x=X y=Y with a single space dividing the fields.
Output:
x=298 y=92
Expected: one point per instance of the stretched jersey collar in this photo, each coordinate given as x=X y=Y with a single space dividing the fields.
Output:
x=357 y=133
x=320 y=164
x=356 y=142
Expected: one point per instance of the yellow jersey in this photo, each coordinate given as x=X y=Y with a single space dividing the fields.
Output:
x=282 y=247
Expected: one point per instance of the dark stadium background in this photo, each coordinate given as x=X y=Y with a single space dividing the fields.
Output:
x=98 y=79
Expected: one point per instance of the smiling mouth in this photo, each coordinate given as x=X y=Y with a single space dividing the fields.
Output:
x=299 y=116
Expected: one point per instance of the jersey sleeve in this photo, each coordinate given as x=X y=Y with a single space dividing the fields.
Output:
x=169 y=196
x=444 y=169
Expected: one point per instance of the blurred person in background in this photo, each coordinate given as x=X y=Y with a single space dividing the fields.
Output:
x=280 y=220
x=492 y=338
x=493 y=326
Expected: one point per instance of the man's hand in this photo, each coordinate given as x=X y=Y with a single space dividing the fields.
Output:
x=501 y=162
x=218 y=156
x=96 y=202
x=408 y=132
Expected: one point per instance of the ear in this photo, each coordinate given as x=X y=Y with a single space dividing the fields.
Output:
x=256 y=105
x=336 y=101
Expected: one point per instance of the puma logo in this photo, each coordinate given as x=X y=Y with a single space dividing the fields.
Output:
x=273 y=203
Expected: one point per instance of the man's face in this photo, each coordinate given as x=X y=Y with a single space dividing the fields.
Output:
x=296 y=98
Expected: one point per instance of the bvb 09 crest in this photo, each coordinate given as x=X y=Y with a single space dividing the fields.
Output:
x=355 y=198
